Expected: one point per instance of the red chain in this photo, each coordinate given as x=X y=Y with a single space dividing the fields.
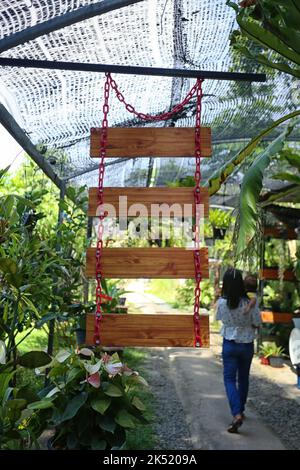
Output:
x=196 y=89
x=158 y=117
x=101 y=213
x=197 y=199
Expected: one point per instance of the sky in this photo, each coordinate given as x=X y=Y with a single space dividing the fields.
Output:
x=10 y=151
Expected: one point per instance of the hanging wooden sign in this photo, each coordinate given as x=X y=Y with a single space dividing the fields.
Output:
x=173 y=202
x=148 y=330
x=151 y=142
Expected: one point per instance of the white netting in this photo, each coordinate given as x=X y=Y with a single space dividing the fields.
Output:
x=58 y=108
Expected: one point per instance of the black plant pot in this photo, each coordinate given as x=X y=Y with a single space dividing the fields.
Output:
x=219 y=233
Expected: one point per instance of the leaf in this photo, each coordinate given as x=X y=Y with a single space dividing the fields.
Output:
x=97 y=444
x=40 y=405
x=220 y=176
x=100 y=404
x=94 y=380
x=62 y=355
x=250 y=191
x=8 y=266
x=34 y=359
x=73 y=406
x=86 y=352
x=46 y=318
x=52 y=392
x=138 y=404
x=285 y=176
x=112 y=390
x=92 y=368
x=107 y=423
x=125 y=419
x=2 y=353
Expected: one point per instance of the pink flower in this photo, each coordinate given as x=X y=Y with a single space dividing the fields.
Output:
x=94 y=380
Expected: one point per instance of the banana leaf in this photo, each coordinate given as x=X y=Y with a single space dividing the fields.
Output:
x=219 y=177
x=251 y=188
x=284 y=38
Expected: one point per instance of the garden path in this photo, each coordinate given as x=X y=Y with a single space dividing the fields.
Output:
x=196 y=378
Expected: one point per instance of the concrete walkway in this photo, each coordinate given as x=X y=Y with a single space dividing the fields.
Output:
x=198 y=381
x=199 y=384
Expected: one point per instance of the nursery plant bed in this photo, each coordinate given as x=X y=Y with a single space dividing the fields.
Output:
x=281 y=233
x=276 y=317
x=272 y=274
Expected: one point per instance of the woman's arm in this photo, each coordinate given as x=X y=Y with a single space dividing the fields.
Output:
x=255 y=314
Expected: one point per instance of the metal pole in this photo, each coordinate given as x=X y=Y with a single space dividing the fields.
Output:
x=52 y=322
x=132 y=70
x=67 y=19
x=7 y=120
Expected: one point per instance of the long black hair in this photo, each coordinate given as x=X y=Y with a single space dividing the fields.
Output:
x=233 y=288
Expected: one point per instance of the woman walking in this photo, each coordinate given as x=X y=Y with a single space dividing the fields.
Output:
x=238 y=330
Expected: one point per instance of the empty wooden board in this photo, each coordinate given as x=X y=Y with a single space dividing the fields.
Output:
x=148 y=330
x=173 y=202
x=148 y=263
x=151 y=142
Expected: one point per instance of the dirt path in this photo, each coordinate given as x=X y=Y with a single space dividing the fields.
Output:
x=193 y=410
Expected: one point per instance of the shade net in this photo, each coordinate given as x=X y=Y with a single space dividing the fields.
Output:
x=57 y=109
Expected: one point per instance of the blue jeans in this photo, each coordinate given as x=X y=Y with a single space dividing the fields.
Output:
x=237 y=358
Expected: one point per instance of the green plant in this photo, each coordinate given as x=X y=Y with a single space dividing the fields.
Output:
x=185 y=295
x=16 y=431
x=268 y=350
x=114 y=290
x=273 y=25
x=91 y=401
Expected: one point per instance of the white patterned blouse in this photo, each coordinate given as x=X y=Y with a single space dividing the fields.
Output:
x=238 y=325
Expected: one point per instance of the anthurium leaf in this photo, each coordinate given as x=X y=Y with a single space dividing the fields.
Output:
x=94 y=380
x=40 y=405
x=73 y=406
x=34 y=359
x=107 y=423
x=138 y=404
x=52 y=392
x=100 y=404
x=2 y=352
x=112 y=390
x=92 y=368
x=98 y=444
x=86 y=352
x=125 y=419
x=62 y=355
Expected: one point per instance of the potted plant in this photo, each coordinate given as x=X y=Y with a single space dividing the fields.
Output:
x=264 y=353
x=276 y=355
x=91 y=401
x=220 y=221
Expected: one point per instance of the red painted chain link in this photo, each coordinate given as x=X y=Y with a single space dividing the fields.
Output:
x=159 y=117
x=196 y=89
x=101 y=213
x=197 y=199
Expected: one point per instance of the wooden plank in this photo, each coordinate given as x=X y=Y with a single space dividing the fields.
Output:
x=148 y=330
x=276 y=317
x=181 y=200
x=149 y=263
x=272 y=274
x=151 y=142
x=279 y=232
